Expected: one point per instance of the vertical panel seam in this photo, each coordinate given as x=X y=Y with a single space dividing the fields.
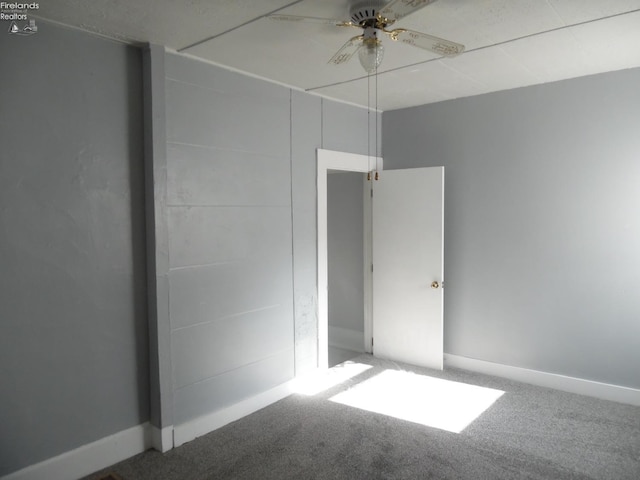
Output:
x=322 y=123
x=293 y=256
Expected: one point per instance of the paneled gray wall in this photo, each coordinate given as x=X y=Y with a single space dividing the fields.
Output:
x=345 y=215
x=73 y=347
x=349 y=129
x=541 y=222
x=241 y=209
x=306 y=137
x=230 y=236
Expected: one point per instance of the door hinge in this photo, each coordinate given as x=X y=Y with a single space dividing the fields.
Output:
x=372 y=193
x=372 y=268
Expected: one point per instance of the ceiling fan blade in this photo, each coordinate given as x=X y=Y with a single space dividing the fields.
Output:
x=428 y=42
x=317 y=20
x=397 y=9
x=347 y=51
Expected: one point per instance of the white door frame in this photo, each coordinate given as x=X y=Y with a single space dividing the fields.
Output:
x=347 y=162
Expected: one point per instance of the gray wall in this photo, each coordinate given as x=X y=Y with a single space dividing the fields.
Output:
x=345 y=215
x=240 y=207
x=306 y=136
x=230 y=241
x=73 y=348
x=541 y=222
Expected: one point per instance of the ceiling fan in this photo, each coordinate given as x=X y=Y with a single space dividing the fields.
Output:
x=374 y=17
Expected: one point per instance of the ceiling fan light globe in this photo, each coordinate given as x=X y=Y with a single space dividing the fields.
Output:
x=370 y=54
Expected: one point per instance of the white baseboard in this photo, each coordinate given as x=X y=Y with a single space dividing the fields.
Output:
x=207 y=423
x=161 y=439
x=346 y=338
x=88 y=458
x=580 y=386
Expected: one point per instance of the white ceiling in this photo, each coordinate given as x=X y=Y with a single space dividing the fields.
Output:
x=509 y=43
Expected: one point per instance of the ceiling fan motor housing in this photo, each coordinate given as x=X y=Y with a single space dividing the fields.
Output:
x=364 y=13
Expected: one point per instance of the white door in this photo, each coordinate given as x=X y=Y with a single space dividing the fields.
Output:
x=408 y=266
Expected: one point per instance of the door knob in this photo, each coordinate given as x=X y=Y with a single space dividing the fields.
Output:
x=435 y=284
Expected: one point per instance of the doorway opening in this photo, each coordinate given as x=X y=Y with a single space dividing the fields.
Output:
x=345 y=241
x=329 y=162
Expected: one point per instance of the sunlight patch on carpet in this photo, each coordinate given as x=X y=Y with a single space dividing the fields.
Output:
x=429 y=401
x=323 y=380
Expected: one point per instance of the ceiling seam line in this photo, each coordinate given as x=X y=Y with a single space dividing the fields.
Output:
x=121 y=40
x=200 y=42
x=586 y=22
